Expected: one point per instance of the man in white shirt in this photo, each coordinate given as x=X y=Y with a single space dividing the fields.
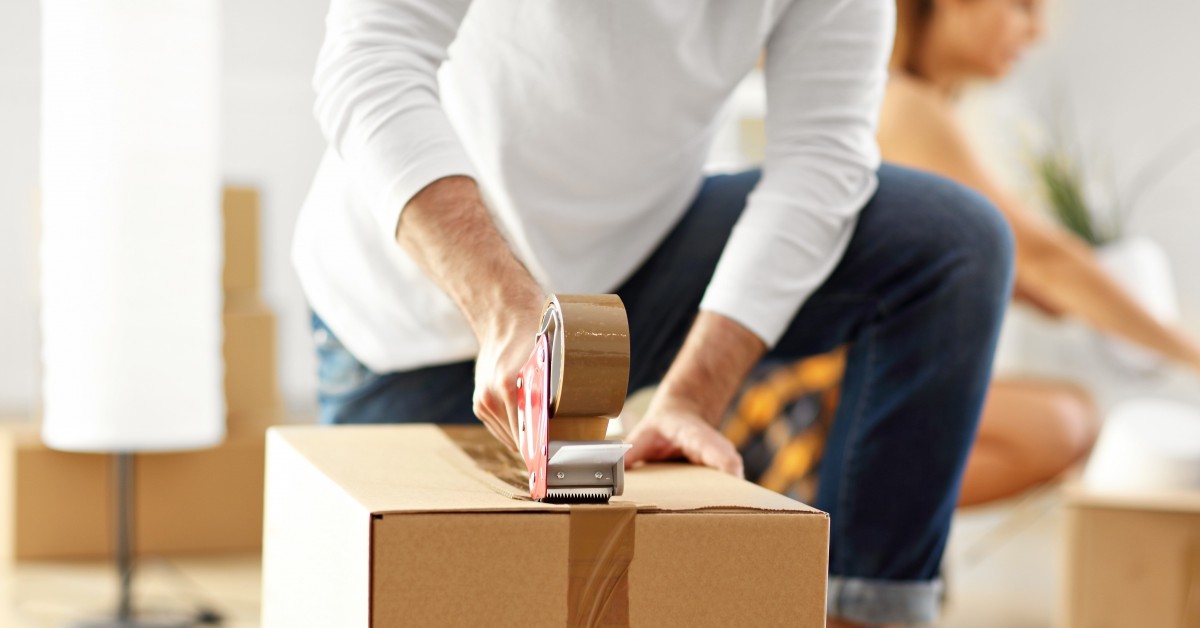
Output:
x=480 y=159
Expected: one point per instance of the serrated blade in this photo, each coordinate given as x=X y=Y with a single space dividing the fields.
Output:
x=573 y=495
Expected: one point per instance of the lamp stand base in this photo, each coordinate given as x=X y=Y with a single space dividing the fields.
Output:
x=136 y=622
x=125 y=617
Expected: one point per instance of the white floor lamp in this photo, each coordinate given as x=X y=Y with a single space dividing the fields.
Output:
x=130 y=248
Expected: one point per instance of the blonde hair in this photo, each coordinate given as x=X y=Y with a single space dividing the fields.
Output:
x=912 y=16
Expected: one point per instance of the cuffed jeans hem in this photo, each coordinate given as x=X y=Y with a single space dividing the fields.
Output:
x=878 y=602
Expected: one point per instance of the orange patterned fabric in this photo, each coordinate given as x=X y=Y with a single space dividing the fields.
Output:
x=780 y=420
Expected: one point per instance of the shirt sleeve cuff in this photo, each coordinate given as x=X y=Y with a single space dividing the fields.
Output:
x=451 y=161
x=777 y=256
x=764 y=320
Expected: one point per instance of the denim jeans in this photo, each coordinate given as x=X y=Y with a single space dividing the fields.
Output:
x=918 y=296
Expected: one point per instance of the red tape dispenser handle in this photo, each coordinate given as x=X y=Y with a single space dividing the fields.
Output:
x=533 y=387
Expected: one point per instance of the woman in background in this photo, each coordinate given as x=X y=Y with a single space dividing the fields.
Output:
x=1030 y=430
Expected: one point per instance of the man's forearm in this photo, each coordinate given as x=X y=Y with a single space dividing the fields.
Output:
x=716 y=357
x=451 y=235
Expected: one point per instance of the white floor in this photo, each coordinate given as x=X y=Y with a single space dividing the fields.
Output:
x=1004 y=564
x=44 y=595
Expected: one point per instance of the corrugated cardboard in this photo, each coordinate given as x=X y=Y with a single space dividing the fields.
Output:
x=1132 y=560
x=61 y=504
x=60 y=500
x=396 y=525
x=8 y=502
x=251 y=385
x=202 y=501
x=240 y=211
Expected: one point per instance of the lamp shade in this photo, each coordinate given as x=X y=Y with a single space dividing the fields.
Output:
x=130 y=237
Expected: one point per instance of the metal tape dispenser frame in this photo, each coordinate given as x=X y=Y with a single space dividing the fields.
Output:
x=572 y=385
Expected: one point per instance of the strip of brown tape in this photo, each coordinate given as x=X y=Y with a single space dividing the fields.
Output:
x=491 y=457
x=600 y=549
x=600 y=542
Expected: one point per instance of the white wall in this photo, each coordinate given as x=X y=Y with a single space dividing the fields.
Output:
x=1126 y=75
x=269 y=140
x=1130 y=70
x=19 y=85
x=1121 y=79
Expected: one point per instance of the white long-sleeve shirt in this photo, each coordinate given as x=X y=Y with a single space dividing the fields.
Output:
x=586 y=124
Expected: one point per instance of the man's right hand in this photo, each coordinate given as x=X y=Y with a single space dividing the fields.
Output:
x=503 y=349
x=448 y=231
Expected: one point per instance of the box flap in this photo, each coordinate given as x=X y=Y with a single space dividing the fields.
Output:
x=418 y=468
x=1175 y=500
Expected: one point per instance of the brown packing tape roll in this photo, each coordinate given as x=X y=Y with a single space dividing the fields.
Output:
x=600 y=549
x=573 y=428
x=589 y=337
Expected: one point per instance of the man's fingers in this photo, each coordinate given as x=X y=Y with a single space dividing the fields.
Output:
x=504 y=427
x=510 y=408
x=699 y=442
x=704 y=445
x=637 y=449
x=492 y=430
x=720 y=454
x=510 y=423
x=713 y=457
x=642 y=441
x=499 y=427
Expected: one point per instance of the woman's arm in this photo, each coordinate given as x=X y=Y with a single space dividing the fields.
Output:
x=1053 y=266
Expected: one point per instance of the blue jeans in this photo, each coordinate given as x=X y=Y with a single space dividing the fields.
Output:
x=918 y=296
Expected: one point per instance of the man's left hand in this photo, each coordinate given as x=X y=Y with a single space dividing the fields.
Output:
x=681 y=420
x=672 y=430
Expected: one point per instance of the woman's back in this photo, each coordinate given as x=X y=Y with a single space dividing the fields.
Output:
x=918 y=128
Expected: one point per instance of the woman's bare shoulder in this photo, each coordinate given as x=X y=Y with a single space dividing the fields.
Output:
x=918 y=125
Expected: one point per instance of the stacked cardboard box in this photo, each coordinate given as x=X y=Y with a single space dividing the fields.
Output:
x=1132 y=559
x=201 y=501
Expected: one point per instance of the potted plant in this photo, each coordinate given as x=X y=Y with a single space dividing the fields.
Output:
x=1137 y=262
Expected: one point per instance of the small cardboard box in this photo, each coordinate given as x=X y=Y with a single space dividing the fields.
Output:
x=59 y=504
x=60 y=501
x=209 y=500
x=240 y=212
x=251 y=384
x=1132 y=560
x=417 y=525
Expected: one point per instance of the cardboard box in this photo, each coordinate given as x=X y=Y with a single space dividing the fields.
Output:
x=1132 y=560
x=59 y=505
x=240 y=211
x=201 y=501
x=251 y=384
x=392 y=525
